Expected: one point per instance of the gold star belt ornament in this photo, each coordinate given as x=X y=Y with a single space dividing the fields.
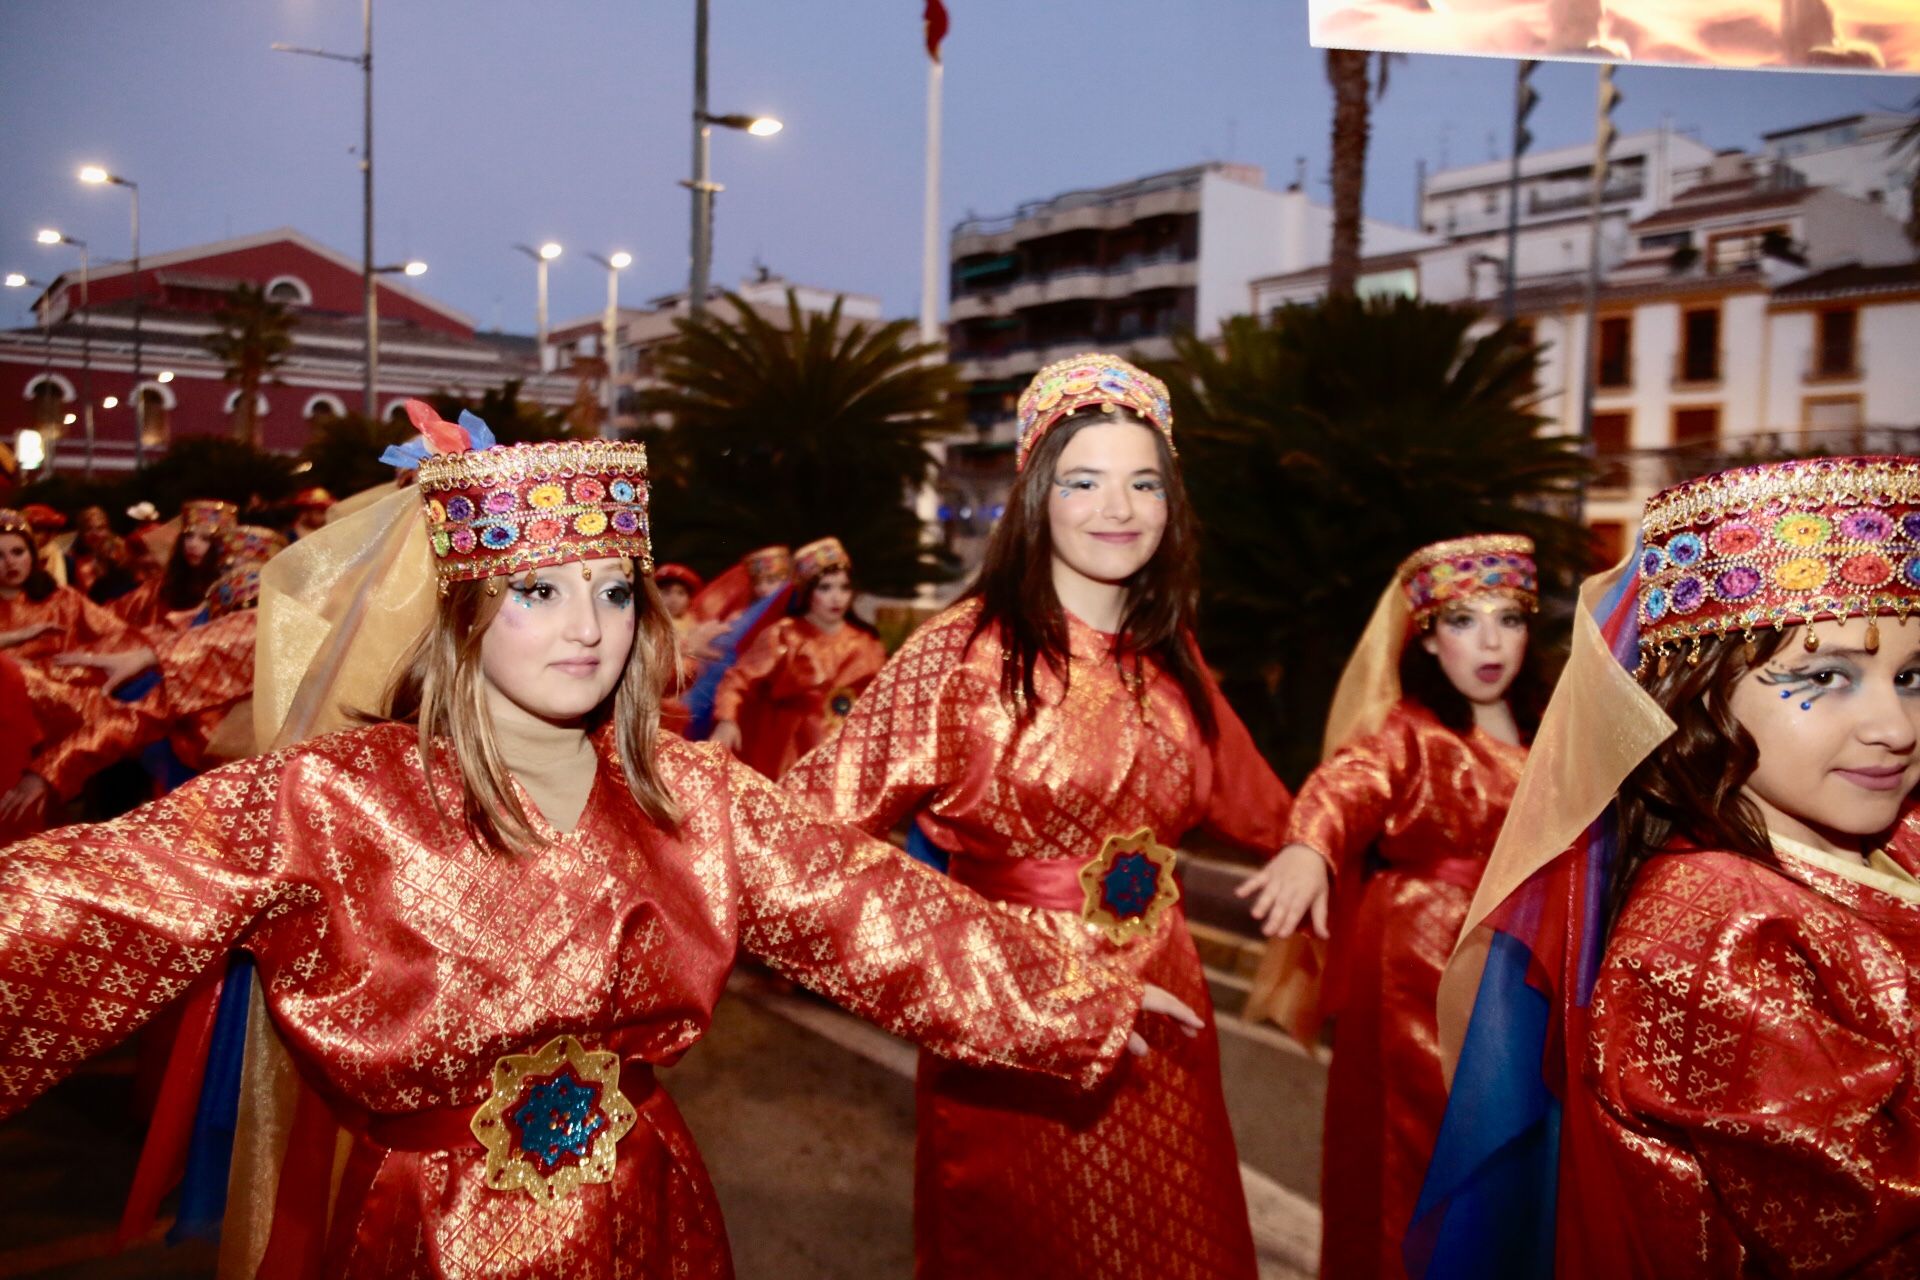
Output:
x=553 y=1120
x=1129 y=886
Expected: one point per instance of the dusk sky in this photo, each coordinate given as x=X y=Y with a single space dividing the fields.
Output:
x=521 y=120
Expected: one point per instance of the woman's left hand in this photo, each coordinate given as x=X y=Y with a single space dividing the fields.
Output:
x=119 y=667
x=1292 y=886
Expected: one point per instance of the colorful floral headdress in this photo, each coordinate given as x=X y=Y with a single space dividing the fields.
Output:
x=208 y=517
x=1498 y=564
x=253 y=544
x=12 y=521
x=1776 y=545
x=1089 y=381
x=497 y=510
x=818 y=557
x=769 y=563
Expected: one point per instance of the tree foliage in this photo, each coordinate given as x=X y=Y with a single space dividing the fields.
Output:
x=786 y=434
x=1324 y=448
x=254 y=338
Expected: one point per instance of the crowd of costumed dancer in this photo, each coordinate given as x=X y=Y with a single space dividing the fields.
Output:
x=1424 y=745
x=1680 y=1023
x=484 y=896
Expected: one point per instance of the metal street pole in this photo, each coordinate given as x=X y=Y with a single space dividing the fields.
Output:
x=702 y=184
x=51 y=237
x=97 y=176
x=1602 y=148
x=364 y=60
x=610 y=329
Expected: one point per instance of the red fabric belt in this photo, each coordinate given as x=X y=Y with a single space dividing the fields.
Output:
x=449 y=1128
x=1463 y=872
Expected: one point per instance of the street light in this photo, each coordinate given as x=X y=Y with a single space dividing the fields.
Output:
x=542 y=256
x=610 y=324
x=702 y=185
x=163 y=377
x=111 y=402
x=94 y=175
x=365 y=62
x=49 y=236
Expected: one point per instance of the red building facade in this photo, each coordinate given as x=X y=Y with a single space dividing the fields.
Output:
x=83 y=351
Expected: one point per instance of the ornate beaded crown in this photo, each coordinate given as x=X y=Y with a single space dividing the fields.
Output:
x=819 y=557
x=208 y=517
x=1776 y=545
x=1486 y=564
x=254 y=544
x=1089 y=381
x=769 y=563
x=499 y=510
x=12 y=521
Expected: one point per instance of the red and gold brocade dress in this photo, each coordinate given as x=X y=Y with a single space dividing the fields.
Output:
x=1753 y=1068
x=1013 y=1178
x=1428 y=803
x=398 y=961
x=793 y=686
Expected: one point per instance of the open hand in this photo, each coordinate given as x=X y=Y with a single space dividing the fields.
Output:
x=119 y=667
x=24 y=801
x=1159 y=1000
x=1291 y=886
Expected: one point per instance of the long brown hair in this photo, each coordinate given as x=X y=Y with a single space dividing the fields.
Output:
x=1015 y=585
x=39 y=585
x=1424 y=681
x=1690 y=788
x=183 y=585
x=442 y=690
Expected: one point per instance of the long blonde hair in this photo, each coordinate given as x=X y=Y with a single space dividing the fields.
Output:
x=442 y=690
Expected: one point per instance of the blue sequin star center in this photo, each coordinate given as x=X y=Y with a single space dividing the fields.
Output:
x=558 y=1121
x=1130 y=885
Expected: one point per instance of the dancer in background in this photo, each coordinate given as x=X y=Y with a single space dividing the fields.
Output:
x=799 y=677
x=1054 y=734
x=1728 y=1088
x=1425 y=743
x=195 y=564
x=482 y=918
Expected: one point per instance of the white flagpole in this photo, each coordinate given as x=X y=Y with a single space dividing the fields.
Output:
x=930 y=254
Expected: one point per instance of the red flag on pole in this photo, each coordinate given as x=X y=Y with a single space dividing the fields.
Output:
x=936 y=20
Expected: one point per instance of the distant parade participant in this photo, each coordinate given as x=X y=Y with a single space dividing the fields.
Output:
x=1425 y=742
x=310 y=507
x=723 y=618
x=482 y=917
x=800 y=676
x=678 y=586
x=1053 y=735
x=1728 y=1087
x=195 y=564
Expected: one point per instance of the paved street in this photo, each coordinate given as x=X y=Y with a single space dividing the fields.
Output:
x=805 y=1117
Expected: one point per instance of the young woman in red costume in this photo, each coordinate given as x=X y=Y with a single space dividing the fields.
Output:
x=481 y=917
x=1425 y=742
x=198 y=559
x=1736 y=1077
x=1053 y=734
x=799 y=677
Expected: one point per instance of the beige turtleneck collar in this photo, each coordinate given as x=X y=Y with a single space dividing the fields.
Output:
x=555 y=763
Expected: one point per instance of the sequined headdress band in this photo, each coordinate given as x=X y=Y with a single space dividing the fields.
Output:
x=822 y=556
x=500 y=510
x=1087 y=382
x=1776 y=545
x=208 y=517
x=12 y=521
x=769 y=563
x=1441 y=573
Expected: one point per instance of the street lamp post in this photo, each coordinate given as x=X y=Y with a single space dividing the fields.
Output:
x=364 y=60
x=541 y=257
x=50 y=236
x=610 y=325
x=413 y=267
x=15 y=280
x=93 y=173
x=702 y=185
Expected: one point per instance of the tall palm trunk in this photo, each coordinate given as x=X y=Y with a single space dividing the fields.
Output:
x=1347 y=71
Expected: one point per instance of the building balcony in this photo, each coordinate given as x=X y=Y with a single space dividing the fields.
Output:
x=1069 y=213
x=1025 y=360
x=1698 y=370
x=1086 y=283
x=1834 y=366
x=1636 y=473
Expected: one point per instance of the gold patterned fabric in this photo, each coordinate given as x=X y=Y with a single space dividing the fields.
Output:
x=398 y=961
x=1013 y=1178
x=792 y=686
x=1754 y=1067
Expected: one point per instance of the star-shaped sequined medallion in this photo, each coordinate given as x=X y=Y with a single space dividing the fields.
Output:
x=1129 y=886
x=554 y=1120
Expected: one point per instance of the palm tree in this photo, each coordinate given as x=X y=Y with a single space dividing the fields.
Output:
x=1314 y=476
x=511 y=418
x=788 y=433
x=254 y=339
x=1347 y=72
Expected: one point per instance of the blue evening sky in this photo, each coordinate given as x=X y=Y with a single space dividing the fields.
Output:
x=506 y=120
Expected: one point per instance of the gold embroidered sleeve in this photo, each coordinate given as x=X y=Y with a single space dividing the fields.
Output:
x=763 y=656
x=908 y=949
x=101 y=926
x=1344 y=804
x=208 y=666
x=1760 y=1067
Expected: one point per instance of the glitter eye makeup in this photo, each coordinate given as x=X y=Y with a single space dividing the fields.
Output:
x=1809 y=685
